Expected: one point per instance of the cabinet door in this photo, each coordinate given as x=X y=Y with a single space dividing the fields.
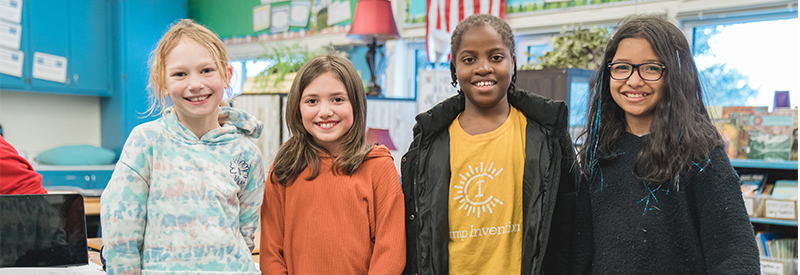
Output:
x=47 y=25
x=79 y=31
x=90 y=70
x=9 y=82
x=80 y=179
x=100 y=178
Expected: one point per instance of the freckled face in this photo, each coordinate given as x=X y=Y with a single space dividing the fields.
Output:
x=327 y=112
x=483 y=67
x=637 y=97
x=193 y=82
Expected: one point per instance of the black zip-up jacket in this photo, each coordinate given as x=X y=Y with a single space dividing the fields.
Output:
x=548 y=186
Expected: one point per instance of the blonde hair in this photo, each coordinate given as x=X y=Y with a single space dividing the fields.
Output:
x=300 y=150
x=185 y=28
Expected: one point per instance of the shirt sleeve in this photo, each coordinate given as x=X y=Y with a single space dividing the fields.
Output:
x=271 y=260
x=123 y=210
x=250 y=199
x=726 y=234
x=16 y=174
x=389 y=250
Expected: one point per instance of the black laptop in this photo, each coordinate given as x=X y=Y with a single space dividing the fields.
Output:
x=42 y=231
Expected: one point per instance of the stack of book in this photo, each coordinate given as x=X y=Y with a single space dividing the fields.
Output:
x=751 y=132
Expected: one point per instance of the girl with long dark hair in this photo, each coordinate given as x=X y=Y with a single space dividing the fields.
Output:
x=657 y=193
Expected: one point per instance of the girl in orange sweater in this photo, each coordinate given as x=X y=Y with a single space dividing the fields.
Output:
x=332 y=204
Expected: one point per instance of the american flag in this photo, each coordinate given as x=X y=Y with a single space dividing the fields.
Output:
x=444 y=15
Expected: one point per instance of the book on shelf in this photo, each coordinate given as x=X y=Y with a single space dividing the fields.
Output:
x=729 y=131
x=770 y=135
x=752 y=184
x=776 y=244
x=785 y=189
x=739 y=117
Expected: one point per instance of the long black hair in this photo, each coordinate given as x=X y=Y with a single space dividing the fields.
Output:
x=681 y=133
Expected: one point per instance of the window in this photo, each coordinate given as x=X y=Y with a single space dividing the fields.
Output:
x=743 y=61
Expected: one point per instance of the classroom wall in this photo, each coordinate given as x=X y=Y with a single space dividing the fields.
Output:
x=35 y=122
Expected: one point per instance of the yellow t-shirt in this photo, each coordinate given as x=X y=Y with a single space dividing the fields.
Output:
x=485 y=201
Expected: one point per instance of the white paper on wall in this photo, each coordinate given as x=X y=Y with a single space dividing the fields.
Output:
x=300 y=12
x=338 y=12
x=49 y=67
x=280 y=19
x=433 y=87
x=10 y=35
x=261 y=17
x=11 y=62
x=11 y=10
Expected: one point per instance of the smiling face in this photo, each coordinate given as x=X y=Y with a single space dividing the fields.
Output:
x=483 y=66
x=193 y=83
x=637 y=97
x=327 y=112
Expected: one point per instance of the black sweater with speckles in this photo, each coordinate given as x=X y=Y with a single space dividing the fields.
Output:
x=627 y=226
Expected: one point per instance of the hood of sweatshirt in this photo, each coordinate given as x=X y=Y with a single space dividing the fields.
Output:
x=379 y=151
x=235 y=123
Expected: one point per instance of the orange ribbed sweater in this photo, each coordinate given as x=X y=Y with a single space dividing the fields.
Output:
x=336 y=224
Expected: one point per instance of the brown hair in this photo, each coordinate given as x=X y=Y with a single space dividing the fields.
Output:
x=192 y=30
x=300 y=150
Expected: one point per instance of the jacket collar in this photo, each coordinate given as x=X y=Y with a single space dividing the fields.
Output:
x=543 y=110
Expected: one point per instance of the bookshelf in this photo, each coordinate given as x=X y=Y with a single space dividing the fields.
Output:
x=774 y=170
x=762 y=164
x=773 y=221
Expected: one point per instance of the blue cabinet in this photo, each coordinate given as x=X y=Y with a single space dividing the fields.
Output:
x=139 y=26
x=76 y=30
x=83 y=177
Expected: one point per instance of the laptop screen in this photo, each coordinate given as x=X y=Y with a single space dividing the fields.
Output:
x=42 y=230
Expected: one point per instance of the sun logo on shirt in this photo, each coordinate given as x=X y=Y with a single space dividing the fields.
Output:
x=471 y=190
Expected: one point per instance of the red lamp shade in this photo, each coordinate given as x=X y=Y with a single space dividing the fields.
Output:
x=380 y=136
x=373 y=19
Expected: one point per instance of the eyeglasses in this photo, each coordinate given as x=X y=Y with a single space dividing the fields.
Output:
x=647 y=71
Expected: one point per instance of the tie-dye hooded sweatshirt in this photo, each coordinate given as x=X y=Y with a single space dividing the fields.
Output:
x=178 y=204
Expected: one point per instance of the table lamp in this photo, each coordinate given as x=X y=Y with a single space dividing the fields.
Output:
x=380 y=136
x=373 y=23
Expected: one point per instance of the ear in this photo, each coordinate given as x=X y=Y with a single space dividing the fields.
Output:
x=230 y=75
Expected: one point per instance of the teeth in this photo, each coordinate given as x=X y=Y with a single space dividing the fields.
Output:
x=484 y=83
x=326 y=125
x=634 y=95
x=196 y=99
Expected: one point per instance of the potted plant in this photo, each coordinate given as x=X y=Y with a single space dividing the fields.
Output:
x=580 y=49
x=564 y=73
x=284 y=61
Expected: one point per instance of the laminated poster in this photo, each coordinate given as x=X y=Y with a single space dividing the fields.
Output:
x=11 y=10
x=300 y=12
x=338 y=12
x=280 y=19
x=10 y=35
x=261 y=17
x=11 y=62
x=49 y=67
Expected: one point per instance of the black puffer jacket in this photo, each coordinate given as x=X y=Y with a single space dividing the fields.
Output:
x=548 y=186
